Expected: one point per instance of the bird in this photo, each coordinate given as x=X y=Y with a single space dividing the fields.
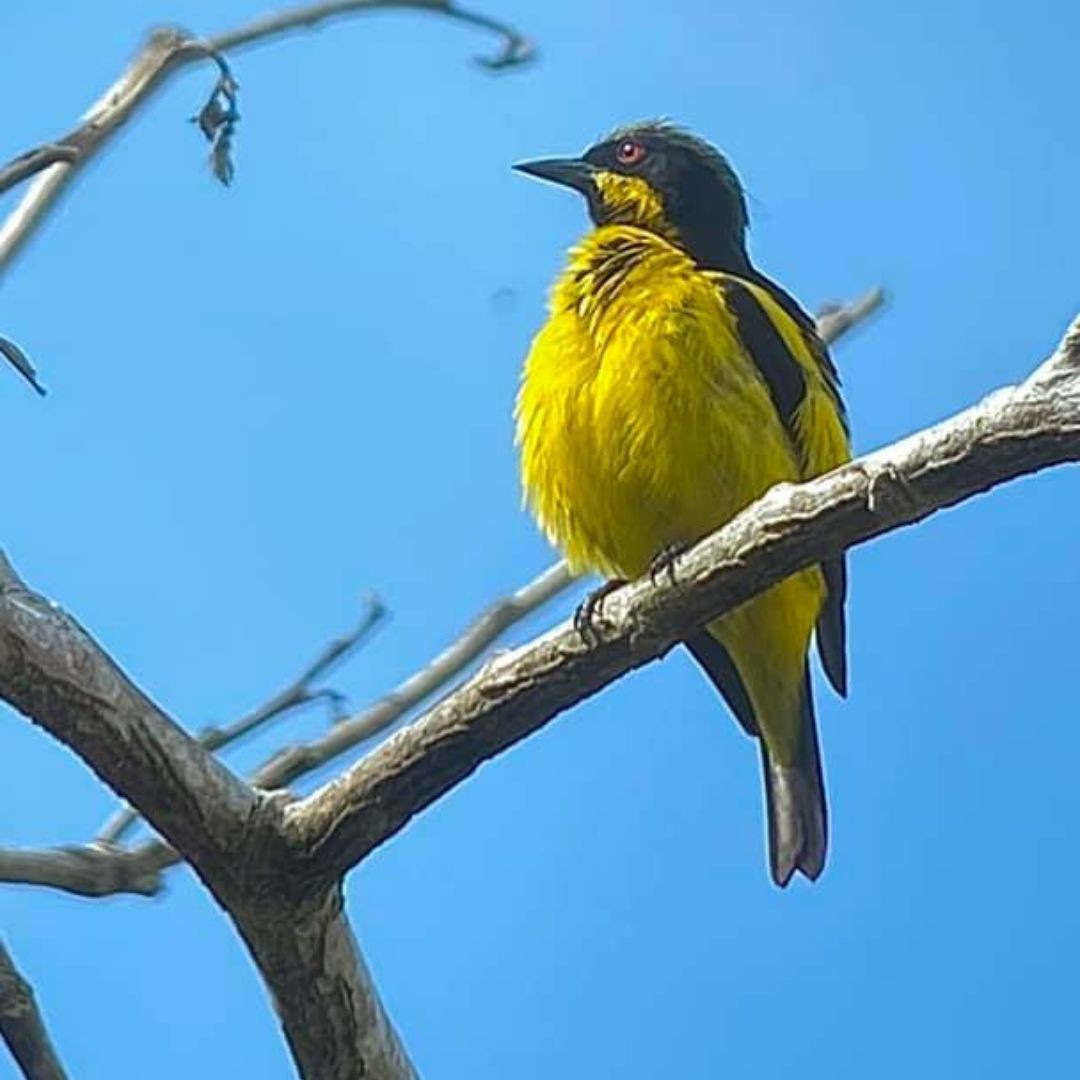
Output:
x=673 y=384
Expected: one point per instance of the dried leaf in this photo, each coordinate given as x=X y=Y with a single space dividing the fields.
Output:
x=217 y=120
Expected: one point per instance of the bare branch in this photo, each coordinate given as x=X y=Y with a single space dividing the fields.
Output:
x=334 y=1021
x=296 y=761
x=54 y=672
x=22 y=1027
x=1015 y=431
x=166 y=51
x=34 y=161
x=100 y=869
x=835 y=320
x=51 y=670
x=516 y=48
x=91 y=870
x=323 y=991
x=302 y=691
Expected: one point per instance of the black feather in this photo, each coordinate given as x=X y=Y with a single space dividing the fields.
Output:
x=832 y=624
x=720 y=668
x=798 y=821
x=779 y=369
x=810 y=335
x=795 y=807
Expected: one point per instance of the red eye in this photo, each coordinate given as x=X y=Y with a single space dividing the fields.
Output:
x=630 y=152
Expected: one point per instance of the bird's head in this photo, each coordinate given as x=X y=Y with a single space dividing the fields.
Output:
x=659 y=177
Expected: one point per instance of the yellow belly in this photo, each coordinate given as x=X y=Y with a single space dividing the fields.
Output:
x=642 y=423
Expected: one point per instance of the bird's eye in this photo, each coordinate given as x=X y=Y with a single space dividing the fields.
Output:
x=629 y=152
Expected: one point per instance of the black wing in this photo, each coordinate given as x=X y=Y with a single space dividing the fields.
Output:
x=808 y=326
x=721 y=669
x=787 y=387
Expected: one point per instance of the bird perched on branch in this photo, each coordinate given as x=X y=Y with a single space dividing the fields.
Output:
x=671 y=386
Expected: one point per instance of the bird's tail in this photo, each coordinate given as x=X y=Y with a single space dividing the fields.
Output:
x=795 y=803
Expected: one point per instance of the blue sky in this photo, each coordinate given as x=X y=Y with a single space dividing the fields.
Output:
x=267 y=400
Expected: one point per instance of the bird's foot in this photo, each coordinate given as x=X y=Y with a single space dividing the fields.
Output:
x=664 y=563
x=591 y=607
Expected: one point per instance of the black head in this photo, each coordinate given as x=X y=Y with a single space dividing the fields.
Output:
x=658 y=177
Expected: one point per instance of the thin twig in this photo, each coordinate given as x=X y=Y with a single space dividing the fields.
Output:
x=516 y=48
x=22 y=1026
x=302 y=691
x=295 y=761
x=165 y=51
x=34 y=161
x=835 y=320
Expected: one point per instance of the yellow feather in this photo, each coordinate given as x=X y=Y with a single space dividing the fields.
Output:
x=644 y=422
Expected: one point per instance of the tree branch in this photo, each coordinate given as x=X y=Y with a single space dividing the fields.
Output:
x=516 y=48
x=54 y=672
x=166 y=51
x=296 y=761
x=91 y=870
x=1015 y=431
x=22 y=1027
x=101 y=869
x=34 y=161
x=51 y=670
x=301 y=691
x=835 y=320
x=322 y=989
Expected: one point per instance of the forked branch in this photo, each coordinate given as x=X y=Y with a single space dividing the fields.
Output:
x=55 y=673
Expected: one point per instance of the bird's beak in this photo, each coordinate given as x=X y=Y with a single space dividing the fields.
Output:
x=570 y=172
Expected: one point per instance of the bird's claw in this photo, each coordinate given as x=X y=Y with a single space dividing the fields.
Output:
x=591 y=607
x=664 y=562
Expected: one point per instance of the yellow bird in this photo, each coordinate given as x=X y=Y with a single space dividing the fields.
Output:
x=671 y=386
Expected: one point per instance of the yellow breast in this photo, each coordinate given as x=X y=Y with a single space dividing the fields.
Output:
x=642 y=420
